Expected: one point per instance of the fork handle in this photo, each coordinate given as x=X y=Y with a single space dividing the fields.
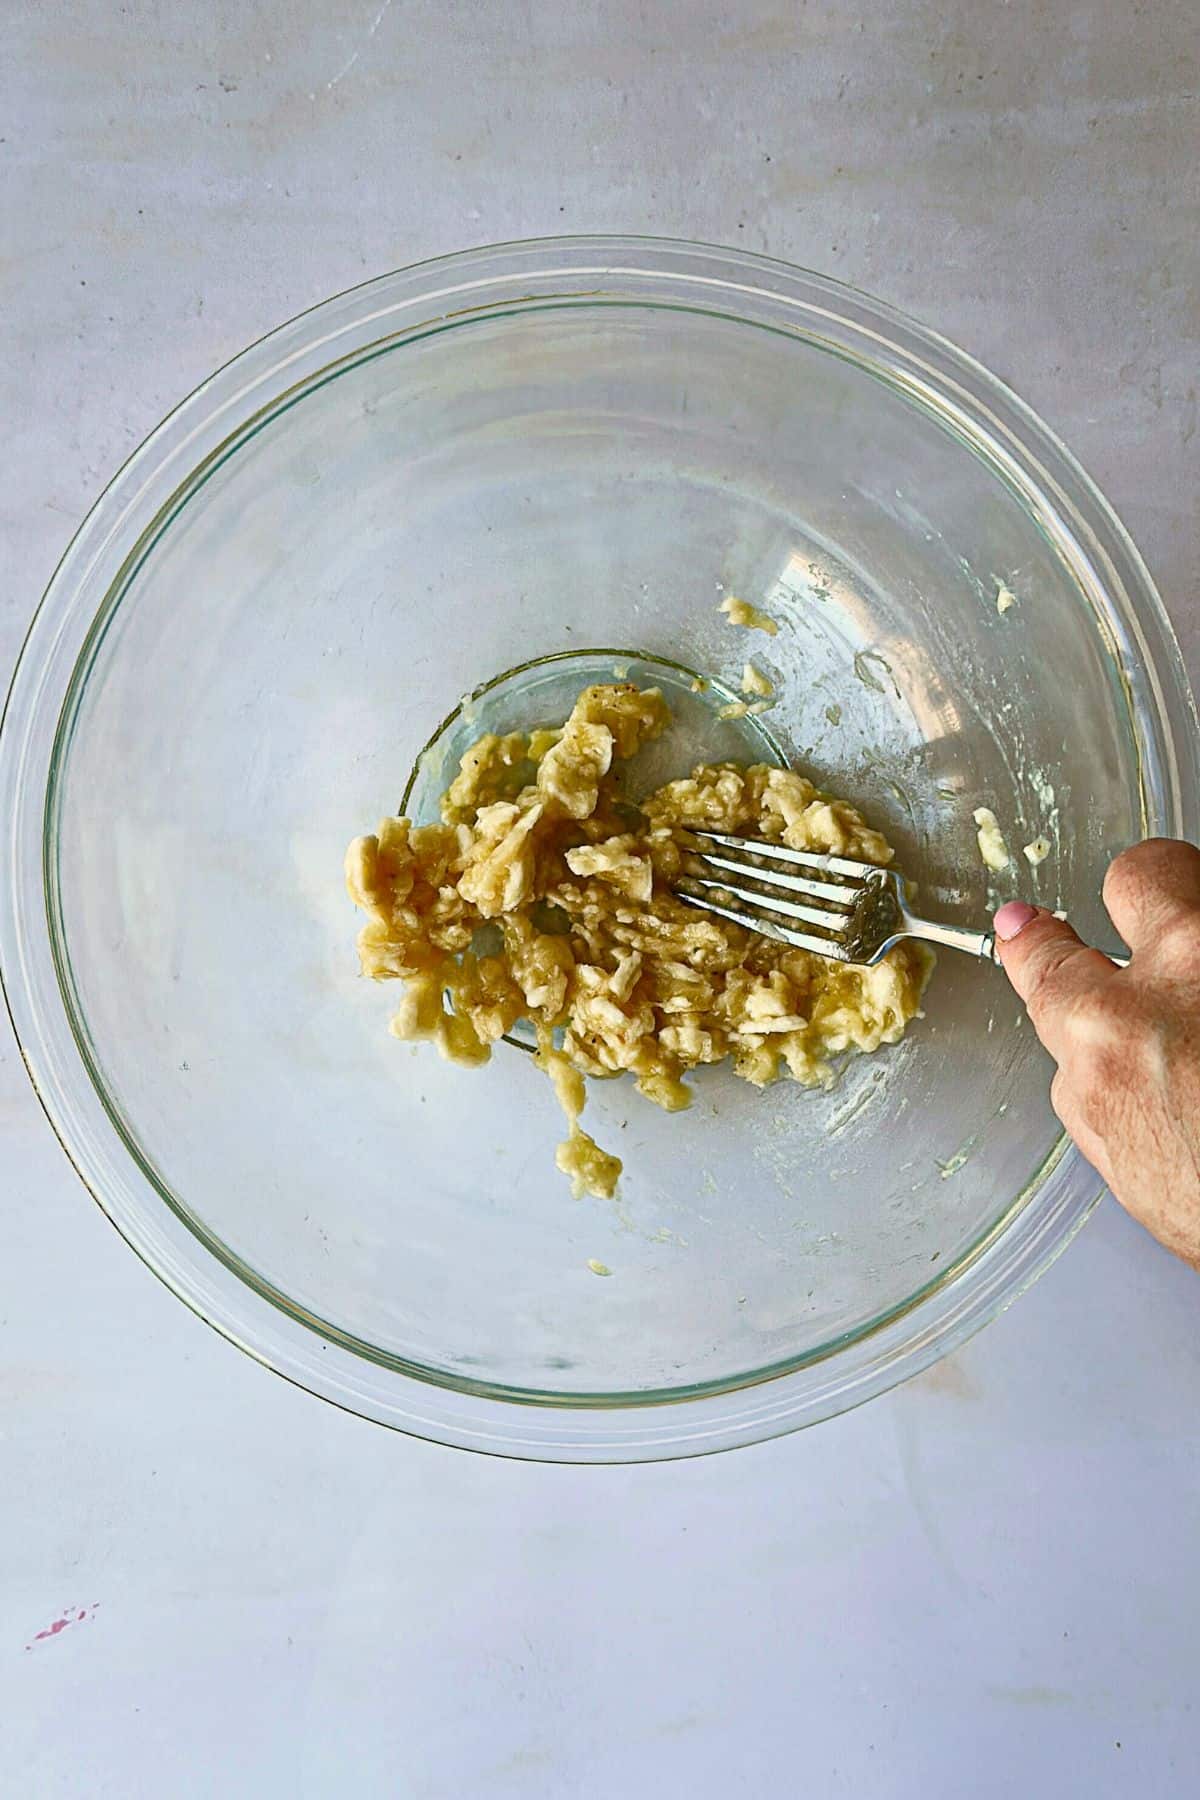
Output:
x=978 y=943
x=991 y=949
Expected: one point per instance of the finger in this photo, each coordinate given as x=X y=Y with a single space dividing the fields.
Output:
x=1048 y=965
x=1152 y=886
x=1070 y=1115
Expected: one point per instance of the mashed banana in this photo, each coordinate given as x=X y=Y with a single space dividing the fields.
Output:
x=740 y=612
x=539 y=850
x=992 y=847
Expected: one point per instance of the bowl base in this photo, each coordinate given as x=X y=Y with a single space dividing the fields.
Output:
x=542 y=692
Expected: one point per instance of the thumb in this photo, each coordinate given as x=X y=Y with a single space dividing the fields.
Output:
x=1049 y=966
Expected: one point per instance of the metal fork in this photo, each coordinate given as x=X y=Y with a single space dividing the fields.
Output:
x=859 y=910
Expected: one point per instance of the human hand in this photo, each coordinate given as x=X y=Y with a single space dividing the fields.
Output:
x=1126 y=1041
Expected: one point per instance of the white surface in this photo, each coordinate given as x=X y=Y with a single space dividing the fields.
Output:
x=986 y=1582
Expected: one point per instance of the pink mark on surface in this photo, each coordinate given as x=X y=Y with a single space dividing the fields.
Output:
x=70 y=1615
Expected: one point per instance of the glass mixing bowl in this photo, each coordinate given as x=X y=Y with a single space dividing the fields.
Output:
x=442 y=502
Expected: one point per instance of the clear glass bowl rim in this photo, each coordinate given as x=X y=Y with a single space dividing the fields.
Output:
x=936 y=376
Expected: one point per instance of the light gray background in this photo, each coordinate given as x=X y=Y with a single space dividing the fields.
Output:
x=987 y=1582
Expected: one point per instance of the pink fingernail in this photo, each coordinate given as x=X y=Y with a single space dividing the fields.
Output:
x=1012 y=917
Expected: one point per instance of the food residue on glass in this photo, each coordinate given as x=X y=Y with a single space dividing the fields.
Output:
x=740 y=612
x=992 y=847
x=755 y=682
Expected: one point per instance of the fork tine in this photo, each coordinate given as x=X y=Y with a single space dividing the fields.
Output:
x=800 y=940
x=772 y=903
x=803 y=859
x=793 y=884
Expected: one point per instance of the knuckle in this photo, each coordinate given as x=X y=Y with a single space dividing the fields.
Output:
x=1177 y=943
x=1128 y=874
x=1051 y=982
x=1102 y=1019
x=1144 y=868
